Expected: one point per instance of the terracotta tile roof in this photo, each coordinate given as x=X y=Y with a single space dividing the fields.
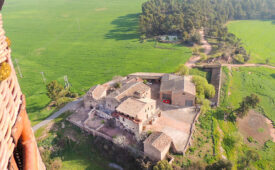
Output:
x=98 y=91
x=158 y=140
x=131 y=87
x=170 y=82
x=131 y=107
x=189 y=86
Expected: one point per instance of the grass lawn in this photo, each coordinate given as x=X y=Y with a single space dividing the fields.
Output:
x=90 y=41
x=258 y=38
x=238 y=83
x=257 y=80
x=61 y=153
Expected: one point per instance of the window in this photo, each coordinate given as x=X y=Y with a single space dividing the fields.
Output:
x=166 y=97
x=189 y=103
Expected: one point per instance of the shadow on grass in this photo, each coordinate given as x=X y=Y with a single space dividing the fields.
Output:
x=273 y=76
x=126 y=28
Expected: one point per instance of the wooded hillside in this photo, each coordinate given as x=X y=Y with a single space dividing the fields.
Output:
x=182 y=17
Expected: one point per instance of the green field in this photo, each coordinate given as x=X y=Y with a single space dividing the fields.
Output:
x=257 y=80
x=258 y=38
x=89 y=40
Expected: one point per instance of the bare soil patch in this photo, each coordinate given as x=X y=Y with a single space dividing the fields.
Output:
x=257 y=126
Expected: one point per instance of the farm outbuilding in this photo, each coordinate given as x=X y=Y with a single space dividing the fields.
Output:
x=157 y=145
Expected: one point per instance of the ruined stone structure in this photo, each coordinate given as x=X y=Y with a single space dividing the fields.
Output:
x=14 y=122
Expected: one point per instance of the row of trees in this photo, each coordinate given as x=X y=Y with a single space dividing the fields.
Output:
x=183 y=17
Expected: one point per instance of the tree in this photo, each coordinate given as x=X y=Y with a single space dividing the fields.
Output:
x=182 y=70
x=59 y=94
x=163 y=165
x=248 y=102
x=55 y=90
x=203 y=88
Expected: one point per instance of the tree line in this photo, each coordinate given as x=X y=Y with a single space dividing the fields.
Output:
x=183 y=17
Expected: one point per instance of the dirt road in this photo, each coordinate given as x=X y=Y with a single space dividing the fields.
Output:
x=69 y=106
x=249 y=65
x=207 y=49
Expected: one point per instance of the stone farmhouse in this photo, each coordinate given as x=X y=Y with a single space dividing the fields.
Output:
x=134 y=103
x=180 y=91
x=133 y=113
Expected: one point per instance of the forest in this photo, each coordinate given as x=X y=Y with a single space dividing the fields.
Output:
x=183 y=17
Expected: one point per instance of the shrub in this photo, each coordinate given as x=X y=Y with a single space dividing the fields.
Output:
x=192 y=149
x=117 y=85
x=221 y=164
x=182 y=70
x=239 y=58
x=196 y=38
x=208 y=158
x=205 y=106
x=142 y=38
x=163 y=165
x=203 y=56
x=55 y=90
x=195 y=50
x=209 y=91
x=62 y=100
x=250 y=139
x=5 y=71
x=229 y=142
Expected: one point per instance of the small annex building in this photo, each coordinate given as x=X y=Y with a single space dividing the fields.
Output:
x=179 y=90
x=133 y=113
x=157 y=145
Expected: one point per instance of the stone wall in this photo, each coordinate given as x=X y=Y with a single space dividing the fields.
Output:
x=130 y=125
x=151 y=152
x=192 y=130
x=180 y=98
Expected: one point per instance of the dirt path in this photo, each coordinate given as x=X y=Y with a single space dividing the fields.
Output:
x=248 y=65
x=207 y=49
x=69 y=106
